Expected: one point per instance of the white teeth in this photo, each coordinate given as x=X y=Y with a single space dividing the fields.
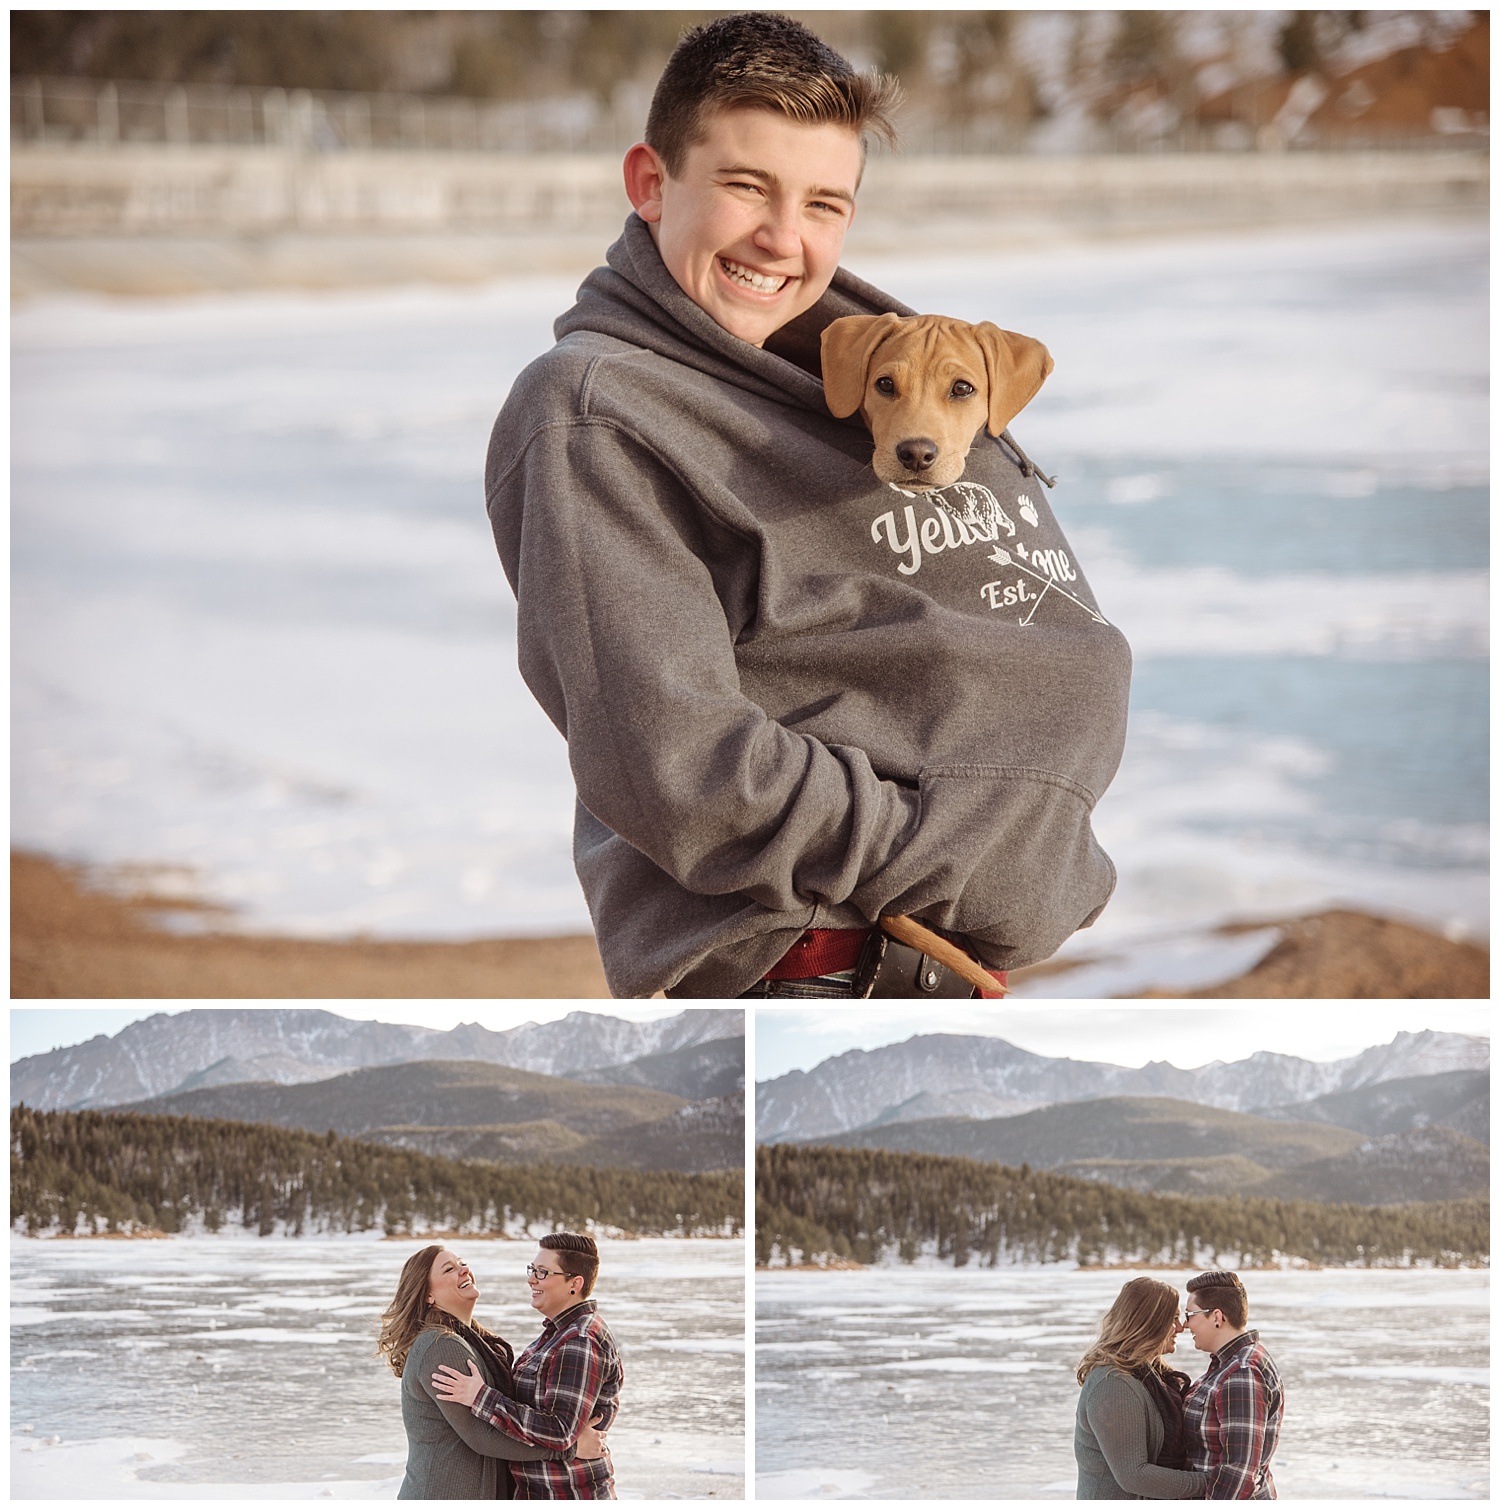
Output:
x=750 y=279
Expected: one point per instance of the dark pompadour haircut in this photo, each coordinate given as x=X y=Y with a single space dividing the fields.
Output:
x=759 y=60
x=577 y=1256
x=1220 y=1290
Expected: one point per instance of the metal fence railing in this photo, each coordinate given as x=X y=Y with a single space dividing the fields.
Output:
x=982 y=138
x=83 y=111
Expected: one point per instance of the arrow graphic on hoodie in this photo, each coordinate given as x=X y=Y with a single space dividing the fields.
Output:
x=1002 y=557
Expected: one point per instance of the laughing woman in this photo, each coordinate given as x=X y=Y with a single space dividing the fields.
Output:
x=450 y=1455
x=1129 y=1437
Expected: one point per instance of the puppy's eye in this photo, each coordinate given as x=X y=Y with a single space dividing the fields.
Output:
x=961 y=389
x=886 y=386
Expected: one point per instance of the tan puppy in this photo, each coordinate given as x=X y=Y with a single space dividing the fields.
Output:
x=926 y=386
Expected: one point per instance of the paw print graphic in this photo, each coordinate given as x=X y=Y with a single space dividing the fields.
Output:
x=1028 y=510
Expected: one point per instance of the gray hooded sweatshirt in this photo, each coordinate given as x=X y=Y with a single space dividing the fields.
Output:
x=794 y=697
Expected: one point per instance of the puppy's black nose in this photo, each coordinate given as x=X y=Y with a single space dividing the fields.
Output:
x=917 y=455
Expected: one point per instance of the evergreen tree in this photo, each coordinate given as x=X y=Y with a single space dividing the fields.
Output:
x=74 y=1170
x=817 y=1204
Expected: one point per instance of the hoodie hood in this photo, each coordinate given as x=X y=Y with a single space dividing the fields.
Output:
x=633 y=298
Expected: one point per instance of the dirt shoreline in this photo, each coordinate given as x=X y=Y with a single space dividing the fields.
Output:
x=71 y=940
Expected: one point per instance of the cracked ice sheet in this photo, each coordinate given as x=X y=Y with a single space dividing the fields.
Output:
x=1351 y=1343
x=120 y=1468
x=1363 y=344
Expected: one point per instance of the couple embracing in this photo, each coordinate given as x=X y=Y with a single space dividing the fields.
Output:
x=1145 y=1432
x=483 y=1424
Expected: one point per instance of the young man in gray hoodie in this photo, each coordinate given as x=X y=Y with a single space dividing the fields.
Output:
x=795 y=699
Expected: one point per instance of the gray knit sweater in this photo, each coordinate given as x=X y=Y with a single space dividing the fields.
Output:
x=450 y=1455
x=1119 y=1432
x=793 y=697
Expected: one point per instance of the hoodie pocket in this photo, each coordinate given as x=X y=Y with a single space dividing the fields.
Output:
x=1004 y=854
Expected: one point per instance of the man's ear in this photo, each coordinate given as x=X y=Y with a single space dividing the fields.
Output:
x=645 y=173
x=848 y=345
x=1016 y=366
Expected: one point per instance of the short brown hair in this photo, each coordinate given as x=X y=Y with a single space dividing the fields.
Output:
x=1135 y=1330
x=1220 y=1290
x=759 y=60
x=577 y=1257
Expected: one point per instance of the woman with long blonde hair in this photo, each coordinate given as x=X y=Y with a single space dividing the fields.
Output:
x=1129 y=1438
x=450 y=1454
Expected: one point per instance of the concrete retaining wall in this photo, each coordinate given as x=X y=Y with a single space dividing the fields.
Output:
x=133 y=218
x=257 y=191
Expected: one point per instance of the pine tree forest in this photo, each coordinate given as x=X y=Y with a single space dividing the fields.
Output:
x=122 y=1172
x=819 y=1206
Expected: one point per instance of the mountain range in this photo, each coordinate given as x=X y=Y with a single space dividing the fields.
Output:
x=1459 y=1099
x=701 y=1070
x=207 y=1047
x=1160 y=1146
x=697 y=1138
x=430 y=1093
x=952 y=1075
x=590 y=1089
x=1405 y=1121
x=490 y=1113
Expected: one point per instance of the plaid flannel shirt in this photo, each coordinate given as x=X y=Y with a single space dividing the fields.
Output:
x=570 y=1375
x=1233 y=1418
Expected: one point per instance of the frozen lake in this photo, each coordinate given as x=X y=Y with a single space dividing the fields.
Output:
x=260 y=632
x=936 y=1383
x=244 y=1367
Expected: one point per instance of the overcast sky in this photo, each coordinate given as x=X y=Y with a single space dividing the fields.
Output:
x=34 y=1030
x=797 y=1038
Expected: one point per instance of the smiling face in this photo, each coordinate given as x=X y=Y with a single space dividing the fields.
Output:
x=1200 y=1326
x=552 y=1291
x=753 y=226
x=451 y=1286
x=1170 y=1345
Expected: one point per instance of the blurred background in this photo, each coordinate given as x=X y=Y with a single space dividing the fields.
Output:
x=273 y=273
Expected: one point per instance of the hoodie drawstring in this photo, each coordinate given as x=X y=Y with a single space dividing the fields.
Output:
x=1028 y=467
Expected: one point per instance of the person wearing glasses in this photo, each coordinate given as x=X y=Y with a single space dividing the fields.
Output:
x=569 y=1376
x=449 y=1454
x=1234 y=1410
x=1130 y=1436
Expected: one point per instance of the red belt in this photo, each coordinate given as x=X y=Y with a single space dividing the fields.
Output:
x=821 y=951
x=827 y=951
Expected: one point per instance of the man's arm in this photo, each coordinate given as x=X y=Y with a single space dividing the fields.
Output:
x=626 y=643
x=1238 y=1436
x=627 y=627
x=567 y=1386
x=490 y=1439
x=605 y=1413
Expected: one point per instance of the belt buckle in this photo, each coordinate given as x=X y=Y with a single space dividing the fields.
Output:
x=890 y=969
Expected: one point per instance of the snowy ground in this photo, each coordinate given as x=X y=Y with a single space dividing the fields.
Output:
x=938 y=1383
x=238 y=1367
x=260 y=633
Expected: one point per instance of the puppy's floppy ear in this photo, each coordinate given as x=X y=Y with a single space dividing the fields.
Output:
x=1016 y=366
x=848 y=345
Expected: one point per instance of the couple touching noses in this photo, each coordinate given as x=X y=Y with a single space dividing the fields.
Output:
x=1145 y=1431
x=482 y=1423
